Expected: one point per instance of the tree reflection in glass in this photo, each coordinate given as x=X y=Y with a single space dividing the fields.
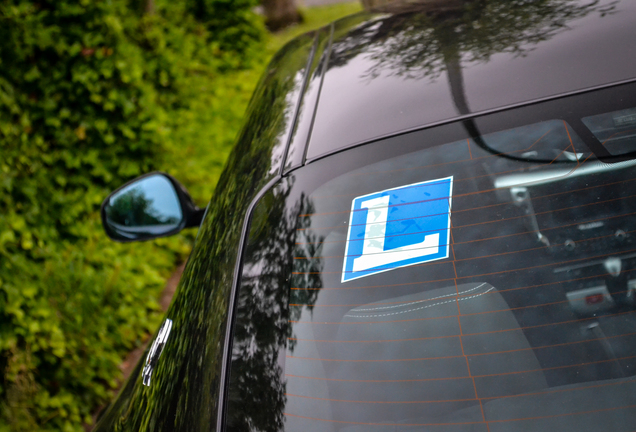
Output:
x=423 y=39
x=273 y=264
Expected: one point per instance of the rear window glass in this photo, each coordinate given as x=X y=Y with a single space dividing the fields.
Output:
x=473 y=284
x=615 y=130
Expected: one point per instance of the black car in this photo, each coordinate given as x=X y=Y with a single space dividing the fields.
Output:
x=428 y=223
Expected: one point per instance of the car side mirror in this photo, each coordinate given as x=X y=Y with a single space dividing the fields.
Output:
x=151 y=206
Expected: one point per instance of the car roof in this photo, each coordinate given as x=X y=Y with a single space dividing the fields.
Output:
x=412 y=65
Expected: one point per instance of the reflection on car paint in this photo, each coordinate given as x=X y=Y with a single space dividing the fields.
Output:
x=296 y=362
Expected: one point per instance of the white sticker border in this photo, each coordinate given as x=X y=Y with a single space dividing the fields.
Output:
x=450 y=206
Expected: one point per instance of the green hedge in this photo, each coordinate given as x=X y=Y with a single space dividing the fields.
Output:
x=93 y=93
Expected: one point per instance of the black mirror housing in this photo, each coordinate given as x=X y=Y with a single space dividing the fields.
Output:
x=151 y=206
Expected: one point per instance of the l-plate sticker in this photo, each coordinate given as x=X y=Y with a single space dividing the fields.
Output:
x=398 y=227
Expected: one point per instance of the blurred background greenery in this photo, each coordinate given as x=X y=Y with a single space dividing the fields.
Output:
x=92 y=94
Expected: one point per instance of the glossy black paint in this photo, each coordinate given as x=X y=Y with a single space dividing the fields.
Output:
x=310 y=95
x=364 y=77
x=185 y=393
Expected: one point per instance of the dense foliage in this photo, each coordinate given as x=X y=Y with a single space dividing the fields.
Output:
x=93 y=93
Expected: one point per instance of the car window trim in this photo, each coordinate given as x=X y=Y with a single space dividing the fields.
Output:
x=236 y=282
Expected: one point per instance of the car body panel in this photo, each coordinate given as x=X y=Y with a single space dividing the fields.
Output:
x=317 y=98
x=307 y=104
x=185 y=391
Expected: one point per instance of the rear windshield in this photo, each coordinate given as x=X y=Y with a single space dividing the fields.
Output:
x=472 y=277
